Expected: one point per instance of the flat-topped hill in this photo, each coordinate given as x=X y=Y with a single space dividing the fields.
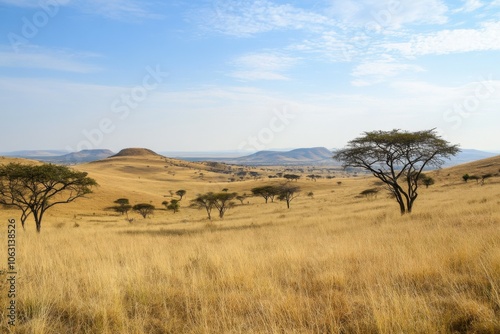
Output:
x=134 y=152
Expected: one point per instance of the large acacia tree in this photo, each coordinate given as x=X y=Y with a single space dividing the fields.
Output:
x=397 y=158
x=36 y=188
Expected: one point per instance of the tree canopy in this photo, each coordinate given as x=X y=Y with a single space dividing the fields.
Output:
x=397 y=158
x=36 y=188
x=144 y=209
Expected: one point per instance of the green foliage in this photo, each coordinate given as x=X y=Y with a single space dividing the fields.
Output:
x=35 y=189
x=465 y=177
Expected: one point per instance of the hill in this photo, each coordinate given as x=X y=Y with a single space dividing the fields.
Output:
x=300 y=156
x=81 y=157
x=468 y=155
x=134 y=152
x=479 y=168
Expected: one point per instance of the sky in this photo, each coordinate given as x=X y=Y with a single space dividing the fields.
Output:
x=245 y=75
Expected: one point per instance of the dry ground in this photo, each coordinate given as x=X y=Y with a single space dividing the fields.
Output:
x=334 y=263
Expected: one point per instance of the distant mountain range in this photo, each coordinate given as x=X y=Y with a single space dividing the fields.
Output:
x=300 y=156
x=319 y=156
x=64 y=158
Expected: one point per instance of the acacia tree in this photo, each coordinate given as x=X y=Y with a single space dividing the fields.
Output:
x=180 y=193
x=205 y=201
x=223 y=202
x=144 y=209
x=174 y=205
x=267 y=192
x=287 y=193
x=397 y=158
x=123 y=206
x=35 y=189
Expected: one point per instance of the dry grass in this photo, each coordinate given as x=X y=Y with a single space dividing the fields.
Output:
x=332 y=264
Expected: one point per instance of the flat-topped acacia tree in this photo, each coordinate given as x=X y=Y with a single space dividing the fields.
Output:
x=36 y=188
x=397 y=158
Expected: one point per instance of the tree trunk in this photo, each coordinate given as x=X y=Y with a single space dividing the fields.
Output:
x=38 y=220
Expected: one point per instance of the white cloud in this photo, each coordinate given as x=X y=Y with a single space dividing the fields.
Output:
x=245 y=18
x=369 y=73
x=379 y=15
x=470 y=6
x=113 y=9
x=262 y=66
x=35 y=57
x=118 y=9
x=485 y=38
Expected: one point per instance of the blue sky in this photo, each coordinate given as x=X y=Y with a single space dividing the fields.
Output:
x=245 y=74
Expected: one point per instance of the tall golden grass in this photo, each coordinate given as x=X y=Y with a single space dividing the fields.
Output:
x=332 y=264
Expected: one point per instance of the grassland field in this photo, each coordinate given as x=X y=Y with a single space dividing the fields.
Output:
x=333 y=263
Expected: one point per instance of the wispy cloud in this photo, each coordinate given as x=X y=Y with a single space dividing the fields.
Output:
x=262 y=66
x=470 y=6
x=443 y=42
x=369 y=73
x=373 y=14
x=40 y=58
x=245 y=18
x=119 y=9
x=113 y=9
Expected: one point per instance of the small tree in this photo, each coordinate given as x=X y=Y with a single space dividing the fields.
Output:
x=123 y=206
x=144 y=209
x=174 y=205
x=205 y=201
x=181 y=193
x=291 y=177
x=35 y=189
x=369 y=193
x=223 y=202
x=287 y=193
x=397 y=158
x=426 y=180
x=267 y=192
x=310 y=194
x=465 y=177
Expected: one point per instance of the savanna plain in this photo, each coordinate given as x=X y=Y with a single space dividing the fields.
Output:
x=334 y=262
